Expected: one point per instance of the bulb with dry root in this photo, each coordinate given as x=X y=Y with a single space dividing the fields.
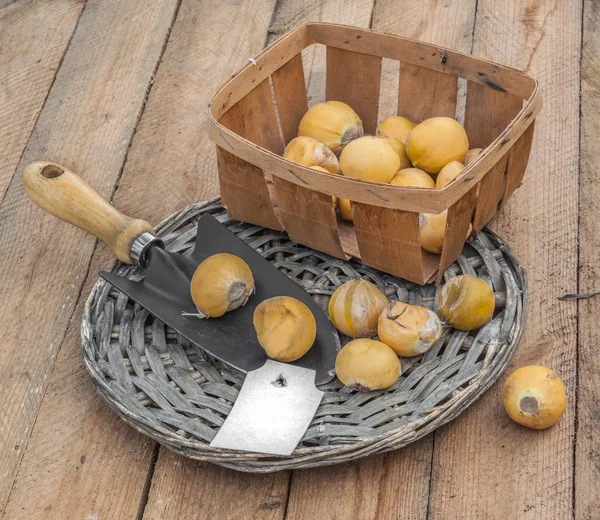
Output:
x=448 y=172
x=400 y=149
x=413 y=177
x=535 y=397
x=396 y=126
x=366 y=365
x=285 y=327
x=354 y=308
x=312 y=153
x=220 y=284
x=466 y=302
x=333 y=123
x=370 y=159
x=409 y=330
x=345 y=208
x=435 y=142
x=472 y=155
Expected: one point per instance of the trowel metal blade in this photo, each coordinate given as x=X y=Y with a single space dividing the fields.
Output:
x=231 y=338
x=273 y=410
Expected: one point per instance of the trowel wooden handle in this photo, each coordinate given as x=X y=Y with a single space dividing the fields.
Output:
x=65 y=195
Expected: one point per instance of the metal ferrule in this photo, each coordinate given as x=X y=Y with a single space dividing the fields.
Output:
x=140 y=247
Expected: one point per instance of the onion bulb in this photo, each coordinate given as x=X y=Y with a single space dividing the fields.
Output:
x=432 y=230
x=354 y=308
x=366 y=365
x=471 y=155
x=448 y=172
x=396 y=126
x=413 y=177
x=409 y=330
x=285 y=328
x=370 y=159
x=345 y=208
x=333 y=123
x=400 y=149
x=312 y=153
x=221 y=283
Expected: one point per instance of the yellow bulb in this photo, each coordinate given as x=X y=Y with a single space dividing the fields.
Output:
x=366 y=365
x=310 y=152
x=285 y=328
x=534 y=396
x=466 y=302
x=472 y=155
x=370 y=159
x=396 y=126
x=413 y=177
x=345 y=208
x=400 y=149
x=355 y=306
x=448 y=172
x=409 y=330
x=220 y=284
x=333 y=123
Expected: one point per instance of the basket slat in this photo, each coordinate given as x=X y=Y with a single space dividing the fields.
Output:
x=487 y=113
x=381 y=233
x=309 y=217
x=517 y=162
x=457 y=227
x=491 y=189
x=290 y=94
x=424 y=93
x=354 y=78
x=244 y=191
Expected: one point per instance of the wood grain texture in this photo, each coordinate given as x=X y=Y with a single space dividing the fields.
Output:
x=309 y=217
x=187 y=490
x=165 y=123
x=425 y=93
x=60 y=192
x=86 y=123
x=377 y=228
x=394 y=485
x=491 y=190
x=290 y=94
x=290 y=13
x=587 y=453
x=354 y=78
x=518 y=159
x=33 y=38
x=514 y=472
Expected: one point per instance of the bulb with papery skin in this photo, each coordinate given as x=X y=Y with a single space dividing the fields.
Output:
x=534 y=396
x=396 y=126
x=409 y=330
x=312 y=153
x=413 y=177
x=221 y=283
x=370 y=159
x=333 y=123
x=355 y=306
x=366 y=365
x=466 y=302
x=285 y=328
x=471 y=155
x=400 y=149
x=448 y=172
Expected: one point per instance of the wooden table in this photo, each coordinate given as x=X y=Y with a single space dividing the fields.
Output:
x=117 y=90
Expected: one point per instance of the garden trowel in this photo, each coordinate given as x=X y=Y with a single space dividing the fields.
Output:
x=278 y=400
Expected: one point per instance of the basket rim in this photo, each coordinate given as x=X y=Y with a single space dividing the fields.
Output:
x=362 y=191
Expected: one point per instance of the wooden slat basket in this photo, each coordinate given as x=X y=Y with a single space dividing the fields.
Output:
x=258 y=110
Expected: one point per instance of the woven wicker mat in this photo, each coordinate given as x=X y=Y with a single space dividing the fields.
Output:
x=164 y=387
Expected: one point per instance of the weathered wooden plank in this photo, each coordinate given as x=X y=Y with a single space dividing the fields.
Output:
x=207 y=491
x=514 y=472
x=86 y=123
x=170 y=163
x=395 y=485
x=33 y=38
x=587 y=455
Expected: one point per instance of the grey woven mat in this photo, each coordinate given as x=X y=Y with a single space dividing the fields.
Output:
x=166 y=388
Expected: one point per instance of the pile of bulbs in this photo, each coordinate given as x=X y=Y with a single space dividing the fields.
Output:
x=286 y=329
x=428 y=155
